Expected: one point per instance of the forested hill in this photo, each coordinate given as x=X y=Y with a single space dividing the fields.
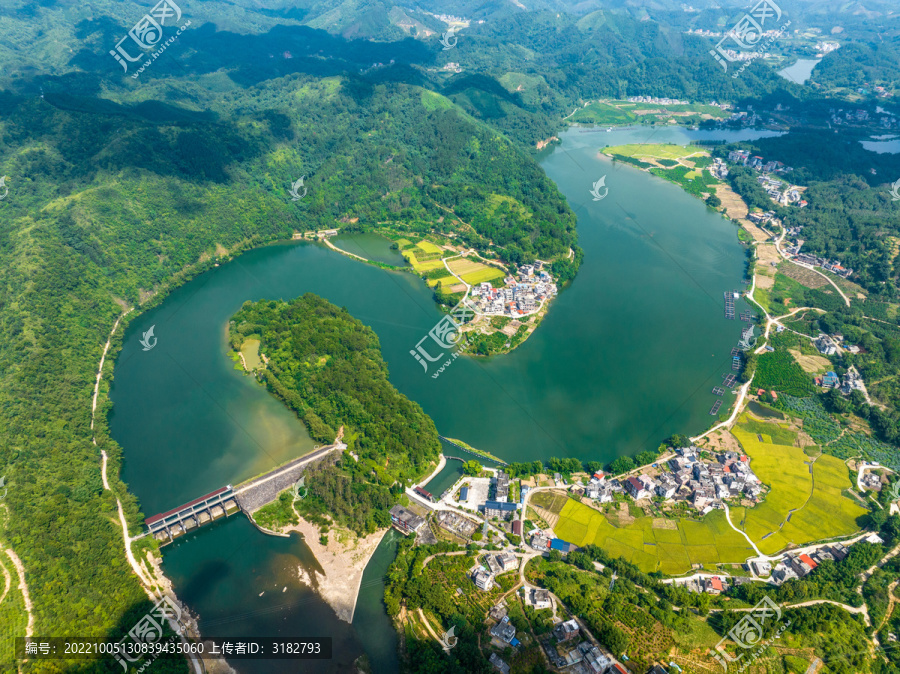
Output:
x=520 y=71
x=327 y=367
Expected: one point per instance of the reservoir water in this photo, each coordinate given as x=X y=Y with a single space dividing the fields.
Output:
x=626 y=356
x=800 y=71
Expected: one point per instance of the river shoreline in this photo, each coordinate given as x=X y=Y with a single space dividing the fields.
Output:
x=343 y=564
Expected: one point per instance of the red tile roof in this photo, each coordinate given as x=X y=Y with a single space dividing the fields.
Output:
x=808 y=560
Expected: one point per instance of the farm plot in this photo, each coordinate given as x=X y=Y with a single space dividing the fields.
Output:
x=473 y=272
x=655 y=548
x=805 y=502
x=655 y=151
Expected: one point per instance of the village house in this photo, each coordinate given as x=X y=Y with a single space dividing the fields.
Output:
x=540 y=542
x=502 y=563
x=498 y=664
x=666 y=486
x=500 y=484
x=825 y=345
x=499 y=509
x=540 y=599
x=713 y=585
x=504 y=631
x=637 y=488
x=565 y=631
x=405 y=521
x=483 y=580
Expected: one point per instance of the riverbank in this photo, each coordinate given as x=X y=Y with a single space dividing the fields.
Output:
x=343 y=559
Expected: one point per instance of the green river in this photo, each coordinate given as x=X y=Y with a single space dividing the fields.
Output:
x=627 y=355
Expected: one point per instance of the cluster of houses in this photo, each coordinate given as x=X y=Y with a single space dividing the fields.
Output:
x=577 y=655
x=798 y=566
x=755 y=162
x=520 y=296
x=829 y=345
x=498 y=504
x=456 y=524
x=566 y=650
x=706 y=584
x=779 y=192
x=718 y=169
x=794 y=565
x=496 y=565
x=657 y=100
x=833 y=266
x=704 y=484
x=823 y=48
x=792 y=248
x=840 y=116
x=745 y=118
x=852 y=382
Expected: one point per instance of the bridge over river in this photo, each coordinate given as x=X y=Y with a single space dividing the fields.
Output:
x=248 y=497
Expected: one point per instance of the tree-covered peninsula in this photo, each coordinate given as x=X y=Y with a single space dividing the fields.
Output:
x=327 y=367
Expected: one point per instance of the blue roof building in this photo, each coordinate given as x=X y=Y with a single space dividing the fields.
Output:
x=499 y=509
x=500 y=505
x=464 y=494
x=561 y=545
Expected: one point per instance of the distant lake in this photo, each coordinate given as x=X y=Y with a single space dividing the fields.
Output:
x=800 y=71
x=883 y=146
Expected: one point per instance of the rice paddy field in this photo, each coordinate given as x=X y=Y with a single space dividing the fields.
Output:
x=805 y=503
x=655 y=151
x=482 y=275
x=473 y=272
x=653 y=544
x=422 y=266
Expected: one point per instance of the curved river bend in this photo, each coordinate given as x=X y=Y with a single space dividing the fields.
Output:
x=627 y=355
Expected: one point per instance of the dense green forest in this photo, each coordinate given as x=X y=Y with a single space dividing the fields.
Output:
x=327 y=367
